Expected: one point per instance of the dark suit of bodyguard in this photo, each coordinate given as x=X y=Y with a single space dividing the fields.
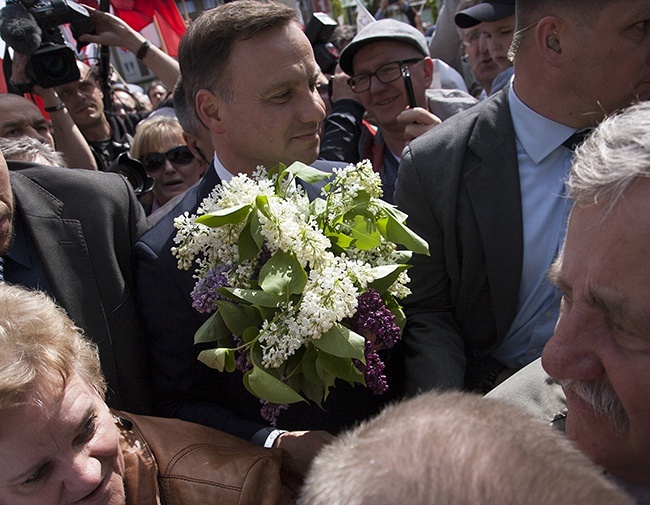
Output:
x=74 y=236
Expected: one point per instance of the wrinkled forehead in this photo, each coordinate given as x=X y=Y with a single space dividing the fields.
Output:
x=11 y=104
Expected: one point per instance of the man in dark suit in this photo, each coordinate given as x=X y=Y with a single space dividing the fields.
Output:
x=71 y=233
x=486 y=190
x=259 y=100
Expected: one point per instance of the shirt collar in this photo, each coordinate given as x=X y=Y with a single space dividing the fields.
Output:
x=222 y=172
x=538 y=135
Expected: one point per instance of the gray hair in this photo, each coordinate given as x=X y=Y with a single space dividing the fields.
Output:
x=26 y=148
x=455 y=448
x=204 y=50
x=614 y=155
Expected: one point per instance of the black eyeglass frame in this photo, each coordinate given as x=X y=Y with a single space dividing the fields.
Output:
x=172 y=155
x=401 y=63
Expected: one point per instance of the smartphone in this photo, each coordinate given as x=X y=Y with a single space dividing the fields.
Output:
x=406 y=75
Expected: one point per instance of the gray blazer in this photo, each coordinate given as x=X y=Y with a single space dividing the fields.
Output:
x=459 y=184
x=84 y=225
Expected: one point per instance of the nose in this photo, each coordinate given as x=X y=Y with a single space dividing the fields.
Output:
x=314 y=109
x=82 y=476
x=169 y=167
x=574 y=350
x=483 y=43
x=32 y=132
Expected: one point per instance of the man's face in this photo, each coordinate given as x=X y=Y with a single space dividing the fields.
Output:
x=609 y=61
x=276 y=109
x=6 y=208
x=484 y=67
x=384 y=102
x=602 y=338
x=83 y=98
x=19 y=116
x=496 y=37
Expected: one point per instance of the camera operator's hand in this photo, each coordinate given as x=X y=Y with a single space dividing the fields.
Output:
x=112 y=31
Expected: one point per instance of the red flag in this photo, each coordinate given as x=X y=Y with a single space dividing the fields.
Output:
x=140 y=13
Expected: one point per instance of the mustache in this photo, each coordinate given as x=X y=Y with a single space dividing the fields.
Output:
x=602 y=398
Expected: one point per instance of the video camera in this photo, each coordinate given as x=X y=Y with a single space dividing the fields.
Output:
x=319 y=31
x=31 y=27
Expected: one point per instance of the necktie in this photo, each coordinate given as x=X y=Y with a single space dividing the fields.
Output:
x=576 y=139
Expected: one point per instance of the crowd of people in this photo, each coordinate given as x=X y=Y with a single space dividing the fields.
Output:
x=515 y=137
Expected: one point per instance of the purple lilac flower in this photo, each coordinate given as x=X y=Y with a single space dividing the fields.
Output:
x=373 y=316
x=204 y=294
x=242 y=360
x=271 y=411
x=373 y=370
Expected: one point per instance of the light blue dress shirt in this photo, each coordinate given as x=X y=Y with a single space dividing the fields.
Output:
x=544 y=165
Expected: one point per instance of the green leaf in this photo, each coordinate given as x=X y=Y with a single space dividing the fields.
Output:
x=395 y=231
x=339 y=239
x=221 y=358
x=212 y=330
x=386 y=275
x=307 y=173
x=262 y=203
x=256 y=229
x=233 y=316
x=267 y=387
x=247 y=246
x=255 y=297
x=283 y=275
x=343 y=368
x=341 y=341
x=313 y=392
x=231 y=215
x=365 y=234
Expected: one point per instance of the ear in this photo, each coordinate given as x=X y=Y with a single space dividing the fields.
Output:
x=427 y=64
x=548 y=38
x=208 y=107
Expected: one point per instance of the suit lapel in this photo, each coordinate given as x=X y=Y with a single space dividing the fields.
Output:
x=61 y=243
x=495 y=195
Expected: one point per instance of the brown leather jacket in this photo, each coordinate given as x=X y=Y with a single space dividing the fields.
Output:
x=168 y=461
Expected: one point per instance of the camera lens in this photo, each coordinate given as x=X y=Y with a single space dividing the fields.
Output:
x=52 y=65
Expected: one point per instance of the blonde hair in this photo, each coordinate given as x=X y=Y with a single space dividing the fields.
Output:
x=40 y=344
x=153 y=133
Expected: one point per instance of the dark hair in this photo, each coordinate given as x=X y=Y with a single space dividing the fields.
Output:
x=184 y=111
x=204 y=50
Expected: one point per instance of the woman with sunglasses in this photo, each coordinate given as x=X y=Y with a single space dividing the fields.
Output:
x=160 y=146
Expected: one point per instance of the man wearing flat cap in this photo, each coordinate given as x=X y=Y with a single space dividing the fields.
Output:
x=496 y=21
x=375 y=61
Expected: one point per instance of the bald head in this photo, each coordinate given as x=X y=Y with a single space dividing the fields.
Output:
x=20 y=117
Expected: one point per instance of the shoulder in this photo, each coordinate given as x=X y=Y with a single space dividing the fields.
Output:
x=535 y=391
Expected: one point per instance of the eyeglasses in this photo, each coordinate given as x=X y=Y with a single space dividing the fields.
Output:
x=180 y=155
x=385 y=74
x=471 y=39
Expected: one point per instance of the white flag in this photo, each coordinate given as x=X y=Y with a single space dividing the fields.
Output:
x=364 y=18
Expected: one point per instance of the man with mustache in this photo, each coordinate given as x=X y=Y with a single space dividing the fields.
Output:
x=599 y=354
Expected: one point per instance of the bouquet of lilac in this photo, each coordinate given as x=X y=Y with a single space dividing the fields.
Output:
x=303 y=293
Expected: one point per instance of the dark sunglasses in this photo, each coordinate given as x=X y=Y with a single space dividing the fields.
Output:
x=180 y=155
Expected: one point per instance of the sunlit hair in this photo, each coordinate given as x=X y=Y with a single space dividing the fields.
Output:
x=40 y=347
x=184 y=111
x=614 y=155
x=153 y=133
x=26 y=148
x=455 y=448
x=204 y=50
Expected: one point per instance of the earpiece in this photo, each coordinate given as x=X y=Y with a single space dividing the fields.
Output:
x=554 y=44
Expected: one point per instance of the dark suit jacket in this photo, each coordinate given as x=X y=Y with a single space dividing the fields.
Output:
x=186 y=388
x=459 y=185
x=84 y=225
